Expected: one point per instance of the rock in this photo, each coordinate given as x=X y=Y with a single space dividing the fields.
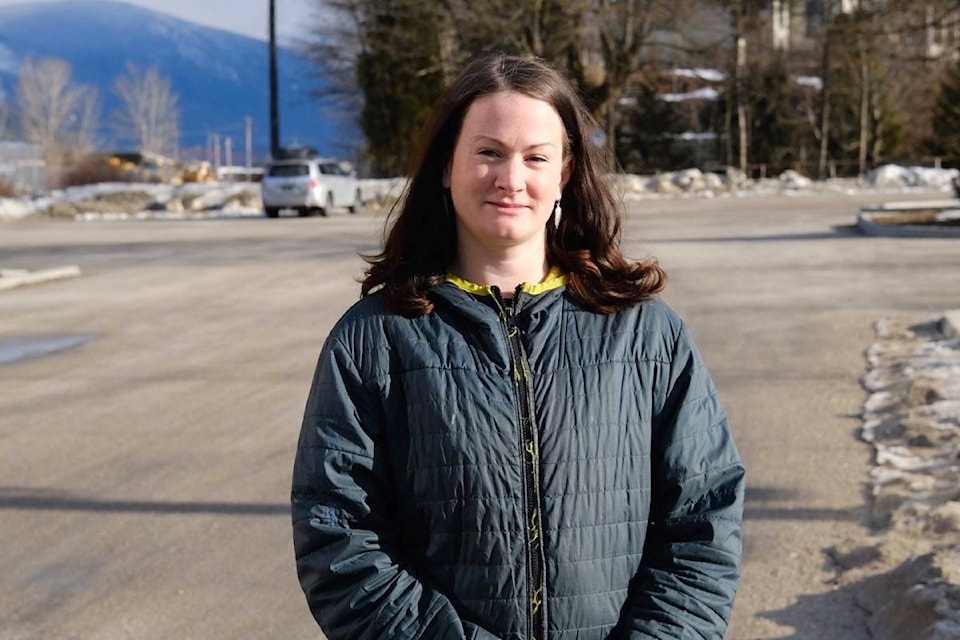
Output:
x=949 y=324
x=736 y=179
x=847 y=559
x=664 y=183
x=689 y=180
x=897 y=608
x=790 y=179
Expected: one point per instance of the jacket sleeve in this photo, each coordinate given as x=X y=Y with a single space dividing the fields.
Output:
x=690 y=569
x=345 y=542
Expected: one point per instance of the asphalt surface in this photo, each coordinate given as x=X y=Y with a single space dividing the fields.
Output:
x=144 y=472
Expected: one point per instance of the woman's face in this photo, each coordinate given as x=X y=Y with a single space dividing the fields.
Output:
x=506 y=172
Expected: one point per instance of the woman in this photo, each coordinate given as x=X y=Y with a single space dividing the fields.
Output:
x=509 y=436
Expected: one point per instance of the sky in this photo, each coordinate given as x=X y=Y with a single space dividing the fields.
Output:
x=248 y=17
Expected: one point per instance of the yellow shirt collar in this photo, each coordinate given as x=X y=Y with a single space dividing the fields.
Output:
x=553 y=280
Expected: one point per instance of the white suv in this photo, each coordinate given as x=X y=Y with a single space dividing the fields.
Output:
x=308 y=185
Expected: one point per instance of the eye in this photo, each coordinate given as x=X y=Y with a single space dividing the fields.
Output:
x=489 y=153
x=538 y=159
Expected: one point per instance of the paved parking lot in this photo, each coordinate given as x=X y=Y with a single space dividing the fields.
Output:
x=144 y=472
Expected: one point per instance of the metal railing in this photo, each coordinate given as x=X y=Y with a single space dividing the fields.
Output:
x=28 y=177
x=23 y=168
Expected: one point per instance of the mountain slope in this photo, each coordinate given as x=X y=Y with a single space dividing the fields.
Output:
x=220 y=77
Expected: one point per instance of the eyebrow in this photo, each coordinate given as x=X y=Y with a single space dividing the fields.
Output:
x=504 y=144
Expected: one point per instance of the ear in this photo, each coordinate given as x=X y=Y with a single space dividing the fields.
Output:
x=565 y=173
x=445 y=178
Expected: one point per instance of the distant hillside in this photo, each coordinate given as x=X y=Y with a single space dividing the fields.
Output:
x=220 y=77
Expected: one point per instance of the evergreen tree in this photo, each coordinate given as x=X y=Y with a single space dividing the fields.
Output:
x=946 y=121
x=645 y=135
x=383 y=62
x=777 y=136
x=400 y=74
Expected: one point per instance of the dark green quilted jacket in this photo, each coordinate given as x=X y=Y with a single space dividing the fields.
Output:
x=515 y=470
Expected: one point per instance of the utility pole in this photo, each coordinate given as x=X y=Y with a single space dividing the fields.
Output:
x=274 y=109
x=216 y=151
x=826 y=96
x=249 y=141
x=740 y=66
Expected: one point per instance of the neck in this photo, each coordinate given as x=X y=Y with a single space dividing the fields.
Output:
x=505 y=271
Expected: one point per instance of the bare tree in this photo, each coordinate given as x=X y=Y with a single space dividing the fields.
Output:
x=53 y=112
x=542 y=28
x=148 y=113
x=739 y=70
x=610 y=51
x=881 y=65
x=85 y=122
x=919 y=41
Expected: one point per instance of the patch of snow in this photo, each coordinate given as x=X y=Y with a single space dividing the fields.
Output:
x=710 y=75
x=892 y=175
x=695 y=136
x=793 y=180
x=912 y=419
x=16 y=208
x=814 y=82
x=705 y=93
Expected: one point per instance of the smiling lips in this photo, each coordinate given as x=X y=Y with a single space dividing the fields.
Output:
x=508 y=206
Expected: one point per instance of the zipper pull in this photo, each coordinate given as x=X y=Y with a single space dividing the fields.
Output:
x=506 y=310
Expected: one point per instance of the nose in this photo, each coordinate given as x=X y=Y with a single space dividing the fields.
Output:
x=510 y=176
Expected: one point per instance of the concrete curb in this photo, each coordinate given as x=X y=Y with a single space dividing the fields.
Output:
x=950 y=324
x=10 y=278
x=867 y=220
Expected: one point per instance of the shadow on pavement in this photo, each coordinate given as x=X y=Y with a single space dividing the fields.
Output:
x=799 y=513
x=34 y=500
x=755 y=507
x=898 y=604
x=26 y=348
x=838 y=233
x=812 y=617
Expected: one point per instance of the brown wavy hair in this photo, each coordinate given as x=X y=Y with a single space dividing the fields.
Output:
x=421 y=243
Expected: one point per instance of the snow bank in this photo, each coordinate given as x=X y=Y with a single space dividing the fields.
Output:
x=119 y=200
x=141 y=200
x=892 y=175
x=912 y=420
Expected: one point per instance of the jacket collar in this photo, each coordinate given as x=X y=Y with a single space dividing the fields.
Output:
x=464 y=295
x=553 y=280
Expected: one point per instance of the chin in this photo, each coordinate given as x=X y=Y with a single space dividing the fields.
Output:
x=508 y=229
x=513 y=234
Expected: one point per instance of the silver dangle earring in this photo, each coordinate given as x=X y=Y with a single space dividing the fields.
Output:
x=556 y=214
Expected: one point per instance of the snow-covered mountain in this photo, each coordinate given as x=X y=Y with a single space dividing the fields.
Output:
x=221 y=78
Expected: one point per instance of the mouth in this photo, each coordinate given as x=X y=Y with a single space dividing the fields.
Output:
x=508 y=206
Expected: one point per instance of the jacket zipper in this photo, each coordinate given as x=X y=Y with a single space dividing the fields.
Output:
x=530 y=453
